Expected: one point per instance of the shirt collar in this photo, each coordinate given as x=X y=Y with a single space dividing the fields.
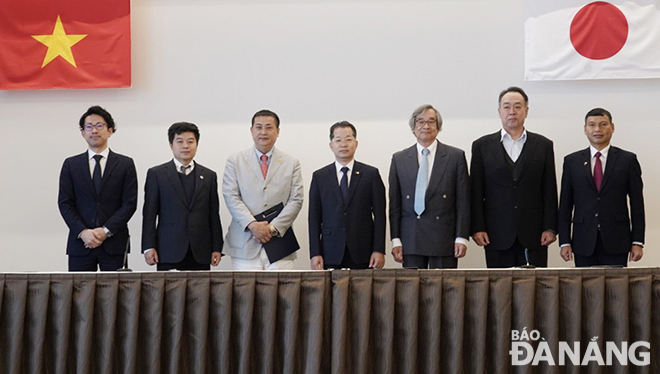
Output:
x=431 y=148
x=504 y=134
x=603 y=152
x=259 y=154
x=350 y=165
x=105 y=153
x=178 y=164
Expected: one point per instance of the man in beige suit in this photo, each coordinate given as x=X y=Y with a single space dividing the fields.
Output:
x=263 y=191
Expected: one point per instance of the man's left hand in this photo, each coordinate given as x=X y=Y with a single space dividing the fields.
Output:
x=548 y=237
x=636 y=252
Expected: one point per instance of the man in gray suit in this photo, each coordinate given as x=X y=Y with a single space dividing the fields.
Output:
x=429 y=198
x=263 y=191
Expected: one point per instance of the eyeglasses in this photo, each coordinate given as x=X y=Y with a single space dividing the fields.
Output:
x=91 y=126
x=346 y=140
x=421 y=122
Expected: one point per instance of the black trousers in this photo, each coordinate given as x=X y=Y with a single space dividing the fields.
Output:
x=346 y=263
x=429 y=262
x=98 y=258
x=188 y=263
x=515 y=257
x=599 y=257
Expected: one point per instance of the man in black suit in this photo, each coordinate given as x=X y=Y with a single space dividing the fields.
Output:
x=514 y=189
x=97 y=197
x=429 y=198
x=346 y=209
x=596 y=187
x=180 y=219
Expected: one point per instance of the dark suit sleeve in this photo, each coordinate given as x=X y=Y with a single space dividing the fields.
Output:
x=67 y=201
x=150 y=210
x=636 y=197
x=214 y=216
x=462 y=198
x=550 y=191
x=121 y=217
x=395 y=202
x=566 y=203
x=378 y=206
x=315 y=218
x=477 y=191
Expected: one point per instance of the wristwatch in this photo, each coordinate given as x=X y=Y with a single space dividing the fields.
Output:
x=273 y=230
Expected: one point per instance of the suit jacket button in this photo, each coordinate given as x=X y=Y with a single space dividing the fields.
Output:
x=596 y=214
x=444 y=196
x=265 y=204
x=437 y=218
x=419 y=217
x=515 y=207
x=407 y=196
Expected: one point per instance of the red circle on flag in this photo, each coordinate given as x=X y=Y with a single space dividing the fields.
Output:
x=599 y=30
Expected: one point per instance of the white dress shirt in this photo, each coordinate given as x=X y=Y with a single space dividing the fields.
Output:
x=340 y=174
x=92 y=161
x=513 y=147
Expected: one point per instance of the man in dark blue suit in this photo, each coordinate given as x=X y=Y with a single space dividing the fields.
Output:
x=97 y=197
x=181 y=215
x=597 y=186
x=346 y=209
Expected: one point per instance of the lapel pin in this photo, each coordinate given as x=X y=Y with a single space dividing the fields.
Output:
x=201 y=177
x=585 y=163
x=357 y=172
x=279 y=159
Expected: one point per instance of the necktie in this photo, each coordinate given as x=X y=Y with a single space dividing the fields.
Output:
x=184 y=169
x=598 y=171
x=343 y=184
x=422 y=181
x=264 y=165
x=96 y=176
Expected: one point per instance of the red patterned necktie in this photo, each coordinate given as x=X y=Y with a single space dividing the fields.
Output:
x=264 y=165
x=598 y=171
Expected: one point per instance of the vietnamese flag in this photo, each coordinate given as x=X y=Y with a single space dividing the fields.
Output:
x=65 y=44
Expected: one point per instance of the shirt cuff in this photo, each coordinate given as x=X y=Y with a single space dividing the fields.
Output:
x=396 y=242
x=460 y=240
x=639 y=244
x=108 y=233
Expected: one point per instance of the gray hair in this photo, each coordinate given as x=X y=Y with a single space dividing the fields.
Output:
x=419 y=111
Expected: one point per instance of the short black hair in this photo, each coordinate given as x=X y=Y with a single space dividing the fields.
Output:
x=181 y=127
x=597 y=112
x=266 y=113
x=99 y=112
x=513 y=89
x=342 y=125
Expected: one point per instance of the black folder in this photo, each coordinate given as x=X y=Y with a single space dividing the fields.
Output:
x=278 y=247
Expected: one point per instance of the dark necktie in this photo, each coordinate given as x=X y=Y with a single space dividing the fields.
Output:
x=343 y=184
x=96 y=176
x=184 y=169
x=598 y=171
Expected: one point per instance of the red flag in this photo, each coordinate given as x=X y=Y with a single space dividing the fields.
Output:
x=65 y=44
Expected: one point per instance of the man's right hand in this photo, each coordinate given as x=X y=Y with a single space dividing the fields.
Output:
x=316 y=262
x=151 y=256
x=261 y=231
x=90 y=238
x=566 y=252
x=481 y=238
x=397 y=253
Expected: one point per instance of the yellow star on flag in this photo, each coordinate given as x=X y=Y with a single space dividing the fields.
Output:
x=59 y=44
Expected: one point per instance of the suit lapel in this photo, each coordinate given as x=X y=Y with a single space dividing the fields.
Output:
x=612 y=157
x=355 y=179
x=411 y=165
x=330 y=177
x=83 y=169
x=585 y=165
x=250 y=158
x=439 y=167
x=110 y=166
x=273 y=166
x=173 y=176
x=200 y=178
x=497 y=149
x=526 y=152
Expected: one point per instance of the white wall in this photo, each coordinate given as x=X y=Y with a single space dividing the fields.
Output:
x=314 y=62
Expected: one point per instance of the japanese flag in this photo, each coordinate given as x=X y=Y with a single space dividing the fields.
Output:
x=572 y=39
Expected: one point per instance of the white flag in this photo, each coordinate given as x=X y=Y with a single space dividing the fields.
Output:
x=572 y=39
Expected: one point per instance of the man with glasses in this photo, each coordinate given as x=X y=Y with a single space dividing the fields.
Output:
x=429 y=198
x=514 y=189
x=346 y=209
x=97 y=197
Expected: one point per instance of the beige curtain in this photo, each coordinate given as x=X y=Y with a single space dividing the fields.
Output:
x=386 y=321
